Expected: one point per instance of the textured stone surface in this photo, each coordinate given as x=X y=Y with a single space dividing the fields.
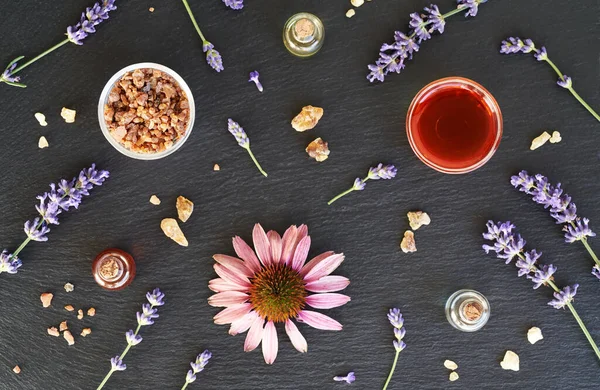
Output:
x=365 y=125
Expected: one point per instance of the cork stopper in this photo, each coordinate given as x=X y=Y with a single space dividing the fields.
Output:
x=110 y=268
x=472 y=311
x=304 y=29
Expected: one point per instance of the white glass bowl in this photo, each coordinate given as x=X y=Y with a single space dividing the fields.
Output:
x=104 y=98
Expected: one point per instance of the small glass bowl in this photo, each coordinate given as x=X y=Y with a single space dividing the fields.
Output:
x=463 y=83
x=104 y=99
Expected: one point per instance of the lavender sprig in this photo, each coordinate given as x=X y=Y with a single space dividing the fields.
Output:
x=381 y=171
x=197 y=366
x=513 y=45
x=213 y=57
x=349 y=378
x=507 y=245
x=397 y=321
x=90 y=18
x=62 y=197
x=242 y=139
x=561 y=209
x=234 y=4
x=392 y=57
x=146 y=317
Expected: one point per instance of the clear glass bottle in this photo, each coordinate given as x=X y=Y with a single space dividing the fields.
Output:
x=467 y=310
x=303 y=34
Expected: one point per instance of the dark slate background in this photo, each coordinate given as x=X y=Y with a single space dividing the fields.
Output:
x=364 y=124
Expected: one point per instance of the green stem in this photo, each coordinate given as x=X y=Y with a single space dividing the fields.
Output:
x=184 y=386
x=590 y=251
x=189 y=11
x=583 y=103
x=389 y=378
x=454 y=12
x=575 y=94
x=584 y=329
x=34 y=59
x=256 y=162
x=340 y=195
x=121 y=357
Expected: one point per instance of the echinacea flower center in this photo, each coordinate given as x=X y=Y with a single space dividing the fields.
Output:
x=278 y=293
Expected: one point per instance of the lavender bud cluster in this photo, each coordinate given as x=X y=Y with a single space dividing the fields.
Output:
x=213 y=57
x=234 y=4
x=92 y=17
x=238 y=132
x=397 y=321
x=507 y=245
x=198 y=366
x=392 y=57
x=562 y=209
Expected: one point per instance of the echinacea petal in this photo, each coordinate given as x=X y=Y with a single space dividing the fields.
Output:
x=232 y=313
x=288 y=243
x=327 y=284
x=301 y=253
x=270 y=343
x=231 y=277
x=243 y=324
x=318 y=320
x=228 y=298
x=314 y=261
x=255 y=334
x=327 y=300
x=261 y=244
x=276 y=246
x=298 y=341
x=220 y=285
x=234 y=264
x=246 y=253
x=324 y=268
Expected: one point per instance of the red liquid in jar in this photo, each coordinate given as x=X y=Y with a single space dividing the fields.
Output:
x=453 y=127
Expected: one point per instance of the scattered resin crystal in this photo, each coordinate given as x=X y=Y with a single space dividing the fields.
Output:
x=408 y=242
x=416 y=219
x=540 y=140
x=185 y=208
x=318 y=150
x=510 y=361
x=308 y=118
x=172 y=230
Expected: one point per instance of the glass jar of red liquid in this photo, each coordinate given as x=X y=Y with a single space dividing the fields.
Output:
x=113 y=269
x=454 y=125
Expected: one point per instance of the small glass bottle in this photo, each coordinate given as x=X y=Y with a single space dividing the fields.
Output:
x=467 y=310
x=113 y=269
x=303 y=34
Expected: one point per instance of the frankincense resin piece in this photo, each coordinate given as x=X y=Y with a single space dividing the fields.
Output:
x=408 y=242
x=185 y=208
x=308 y=118
x=416 y=219
x=171 y=229
x=318 y=150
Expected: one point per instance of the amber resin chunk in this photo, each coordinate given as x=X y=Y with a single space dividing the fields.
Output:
x=318 y=150
x=307 y=119
x=171 y=229
x=185 y=208
x=408 y=242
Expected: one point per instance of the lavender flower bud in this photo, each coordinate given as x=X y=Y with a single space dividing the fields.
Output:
x=254 y=78
x=359 y=184
x=9 y=263
x=541 y=55
x=565 y=82
x=132 y=338
x=117 y=364
x=234 y=4
x=529 y=264
x=147 y=316
x=395 y=318
x=564 y=297
x=198 y=365
x=190 y=377
x=399 y=345
x=156 y=297
x=239 y=133
x=382 y=172
x=596 y=271
x=48 y=210
x=34 y=232
x=419 y=27
x=213 y=58
x=472 y=5
x=542 y=275
x=434 y=16
x=579 y=232
x=348 y=378
x=7 y=74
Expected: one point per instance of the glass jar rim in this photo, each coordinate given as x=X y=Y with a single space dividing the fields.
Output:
x=104 y=98
x=489 y=100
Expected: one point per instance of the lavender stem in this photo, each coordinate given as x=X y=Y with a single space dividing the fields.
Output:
x=34 y=59
x=590 y=251
x=256 y=162
x=340 y=195
x=189 y=11
x=121 y=356
x=389 y=378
